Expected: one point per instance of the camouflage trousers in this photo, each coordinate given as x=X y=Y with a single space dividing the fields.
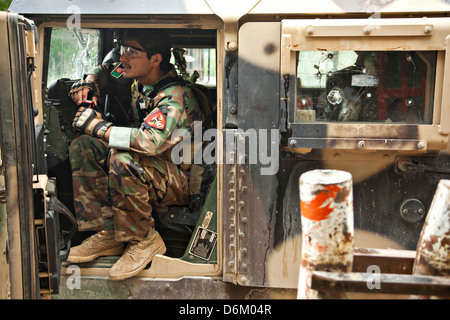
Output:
x=115 y=189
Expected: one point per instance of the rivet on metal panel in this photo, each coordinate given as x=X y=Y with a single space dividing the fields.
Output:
x=428 y=29
x=292 y=143
x=309 y=30
x=232 y=45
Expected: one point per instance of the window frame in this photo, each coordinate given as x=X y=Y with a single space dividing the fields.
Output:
x=64 y=32
x=425 y=34
x=163 y=267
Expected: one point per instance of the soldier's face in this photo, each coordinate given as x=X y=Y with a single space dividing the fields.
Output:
x=135 y=63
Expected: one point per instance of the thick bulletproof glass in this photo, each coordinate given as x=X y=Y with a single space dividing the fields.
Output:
x=204 y=61
x=199 y=64
x=72 y=52
x=365 y=86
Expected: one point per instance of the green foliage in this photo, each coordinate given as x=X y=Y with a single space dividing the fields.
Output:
x=4 y=4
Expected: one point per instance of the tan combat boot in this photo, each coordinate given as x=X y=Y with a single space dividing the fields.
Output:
x=137 y=255
x=102 y=243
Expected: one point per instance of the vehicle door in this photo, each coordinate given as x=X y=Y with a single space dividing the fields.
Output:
x=31 y=240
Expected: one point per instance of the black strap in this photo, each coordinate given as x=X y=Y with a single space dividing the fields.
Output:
x=57 y=206
x=164 y=83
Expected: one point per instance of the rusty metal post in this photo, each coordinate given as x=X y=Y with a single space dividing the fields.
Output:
x=326 y=204
x=433 y=247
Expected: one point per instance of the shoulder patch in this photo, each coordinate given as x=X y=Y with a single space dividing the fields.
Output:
x=156 y=120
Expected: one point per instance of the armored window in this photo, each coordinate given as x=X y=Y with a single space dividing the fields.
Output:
x=73 y=52
x=197 y=64
x=366 y=84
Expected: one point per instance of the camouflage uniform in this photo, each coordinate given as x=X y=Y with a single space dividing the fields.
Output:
x=116 y=189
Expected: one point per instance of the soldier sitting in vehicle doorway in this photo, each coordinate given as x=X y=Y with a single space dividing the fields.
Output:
x=120 y=173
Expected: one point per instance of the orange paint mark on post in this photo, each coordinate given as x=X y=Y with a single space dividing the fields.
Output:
x=320 y=207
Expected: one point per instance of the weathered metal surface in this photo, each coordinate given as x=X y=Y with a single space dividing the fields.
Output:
x=256 y=189
x=98 y=287
x=326 y=203
x=17 y=152
x=433 y=249
x=4 y=276
x=230 y=202
x=358 y=144
x=385 y=283
x=386 y=260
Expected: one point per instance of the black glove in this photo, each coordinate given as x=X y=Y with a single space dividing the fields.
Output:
x=80 y=85
x=89 y=121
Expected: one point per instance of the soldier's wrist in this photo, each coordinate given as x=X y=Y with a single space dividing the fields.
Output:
x=107 y=134
x=100 y=133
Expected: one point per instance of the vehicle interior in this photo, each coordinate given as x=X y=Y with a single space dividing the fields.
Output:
x=69 y=53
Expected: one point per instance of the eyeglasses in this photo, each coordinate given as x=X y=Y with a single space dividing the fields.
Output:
x=129 y=51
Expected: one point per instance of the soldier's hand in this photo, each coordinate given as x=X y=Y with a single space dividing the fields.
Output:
x=89 y=121
x=84 y=90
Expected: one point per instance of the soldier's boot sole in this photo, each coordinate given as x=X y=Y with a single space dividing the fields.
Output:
x=117 y=251
x=161 y=250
